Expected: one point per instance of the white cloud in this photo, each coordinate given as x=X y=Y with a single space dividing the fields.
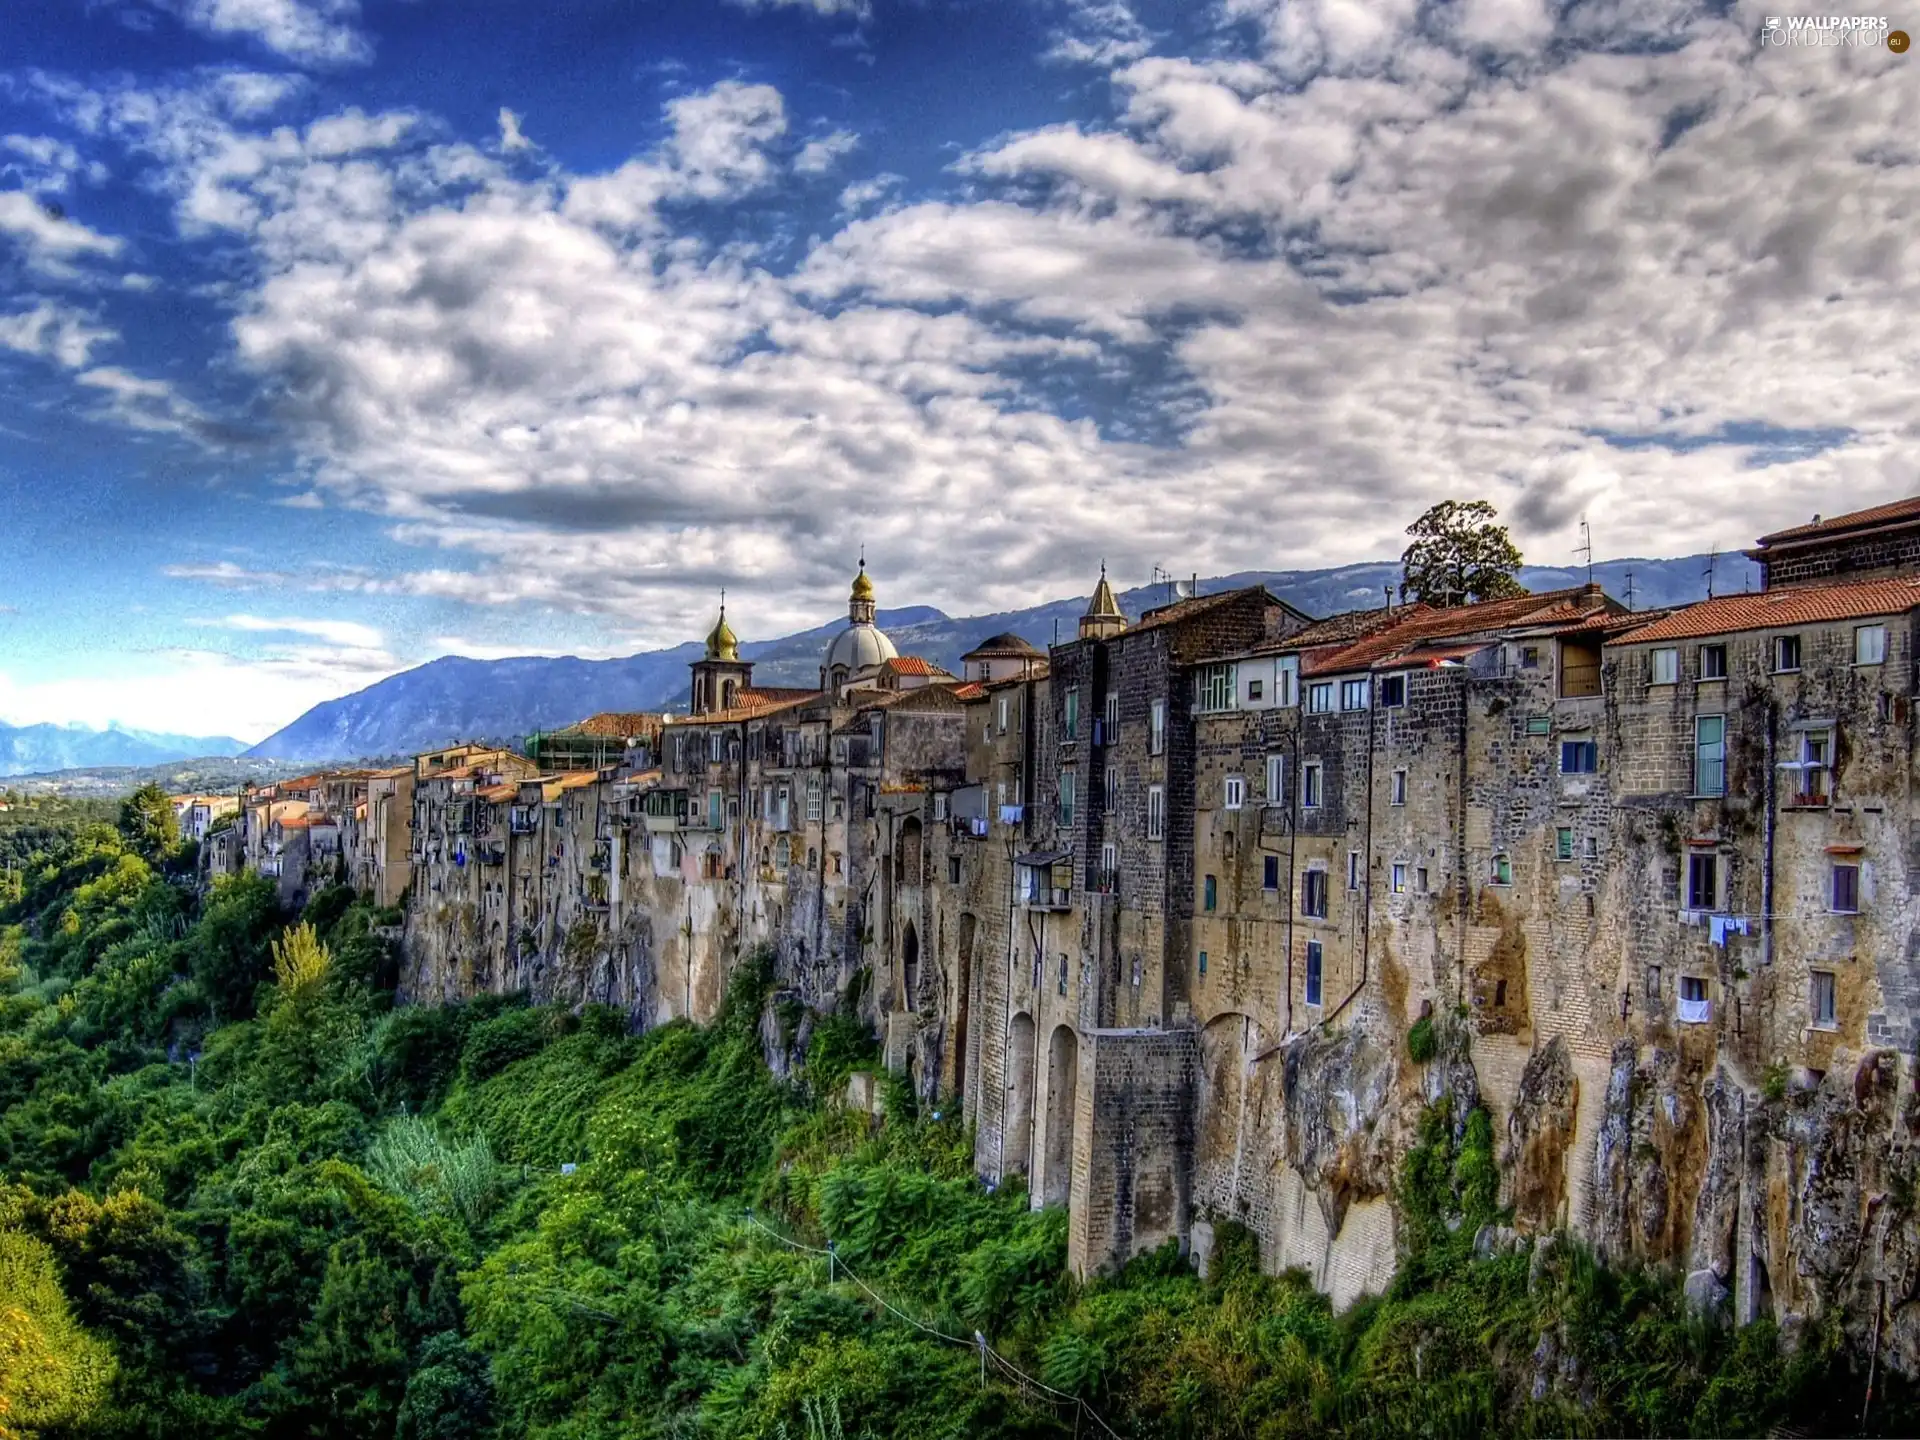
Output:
x=313 y=32
x=510 y=136
x=142 y=402
x=818 y=156
x=54 y=332
x=226 y=575
x=1323 y=283
x=50 y=241
x=347 y=634
x=859 y=9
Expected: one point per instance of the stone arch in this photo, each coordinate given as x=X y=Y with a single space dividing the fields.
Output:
x=1063 y=1094
x=910 y=967
x=727 y=690
x=907 y=851
x=1016 y=1133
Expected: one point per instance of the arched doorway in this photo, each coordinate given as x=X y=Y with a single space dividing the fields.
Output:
x=1016 y=1135
x=910 y=968
x=1063 y=1093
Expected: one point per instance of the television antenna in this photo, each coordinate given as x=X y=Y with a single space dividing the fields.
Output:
x=1629 y=589
x=1585 y=547
x=1713 y=556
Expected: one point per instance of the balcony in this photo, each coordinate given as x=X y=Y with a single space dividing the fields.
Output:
x=1105 y=882
x=1047 y=898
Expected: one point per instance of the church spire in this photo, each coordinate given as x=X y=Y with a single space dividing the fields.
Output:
x=1104 y=616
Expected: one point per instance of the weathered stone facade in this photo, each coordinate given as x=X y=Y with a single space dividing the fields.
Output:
x=1161 y=908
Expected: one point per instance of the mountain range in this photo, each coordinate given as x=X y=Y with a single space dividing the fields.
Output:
x=32 y=749
x=454 y=698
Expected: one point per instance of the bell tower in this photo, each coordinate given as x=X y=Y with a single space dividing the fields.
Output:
x=1104 y=618
x=720 y=675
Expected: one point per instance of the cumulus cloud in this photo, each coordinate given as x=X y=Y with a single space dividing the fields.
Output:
x=1275 y=303
x=346 y=634
x=510 y=136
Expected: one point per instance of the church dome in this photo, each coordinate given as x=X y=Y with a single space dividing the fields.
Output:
x=862 y=586
x=859 y=647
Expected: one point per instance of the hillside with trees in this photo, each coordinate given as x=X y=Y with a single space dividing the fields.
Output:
x=244 y=1193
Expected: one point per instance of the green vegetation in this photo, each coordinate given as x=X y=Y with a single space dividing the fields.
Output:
x=243 y=1194
x=1422 y=1041
x=1459 y=555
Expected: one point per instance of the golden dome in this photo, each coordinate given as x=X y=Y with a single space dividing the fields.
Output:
x=722 y=644
x=862 y=586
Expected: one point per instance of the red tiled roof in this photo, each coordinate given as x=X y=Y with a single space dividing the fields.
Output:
x=1854 y=520
x=619 y=723
x=494 y=794
x=1421 y=624
x=911 y=665
x=971 y=690
x=1777 y=609
x=752 y=706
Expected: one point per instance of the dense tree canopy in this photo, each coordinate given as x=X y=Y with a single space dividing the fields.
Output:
x=1458 y=555
x=148 y=821
x=243 y=1195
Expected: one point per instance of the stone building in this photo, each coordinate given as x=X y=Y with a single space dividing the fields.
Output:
x=1193 y=916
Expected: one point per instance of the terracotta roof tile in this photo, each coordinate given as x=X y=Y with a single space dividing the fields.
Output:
x=1778 y=609
x=910 y=665
x=1421 y=625
x=619 y=723
x=971 y=690
x=1853 y=520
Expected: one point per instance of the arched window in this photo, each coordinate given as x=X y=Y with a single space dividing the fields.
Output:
x=910 y=964
x=907 y=854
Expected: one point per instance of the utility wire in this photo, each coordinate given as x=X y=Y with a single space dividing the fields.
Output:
x=979 y=1343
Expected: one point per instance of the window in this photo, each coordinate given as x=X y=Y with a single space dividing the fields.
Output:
x=1502 y=870
x=1286 y=680
x=1313 y=972
x=1003 y=714
x=1157 y=728
x=1397 y=788
x=1313 y=894
x=1399 y=879
x=1420 y=879
x=1113 y=787
x=1820 y=1006
x=1393 y=692
x=1203 y=962
x=1539 y=725
x=1063 y=972
x=1320 y=698
x=1845 y=890
x=1255 y=689
x=1216 y=688
x=1276 y=779
x=1529 y=657
x=1310 y=785
x=1113 y=716
x=1593 y=847
x=813 y=799
x=1209 y=894
x=1665 y=666
x=1579 y=757
x=1786 y=654
x=1869 y=644
x=1693 y=1000
x=1816 y=768
x=953 y=869
x=1713 y=662
x=1563 y=843
x=1353 y=694
x=1236 y=791
x=1354 y=869
x=1710 y=755
x=1066 y=797
x=1109 y=858
x=1072 y=721
x=1703 y=881
x=1270 y=873
x=1156 y=812
x=1653 y=982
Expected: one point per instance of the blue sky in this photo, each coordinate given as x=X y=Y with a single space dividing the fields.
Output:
x=335 y=336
